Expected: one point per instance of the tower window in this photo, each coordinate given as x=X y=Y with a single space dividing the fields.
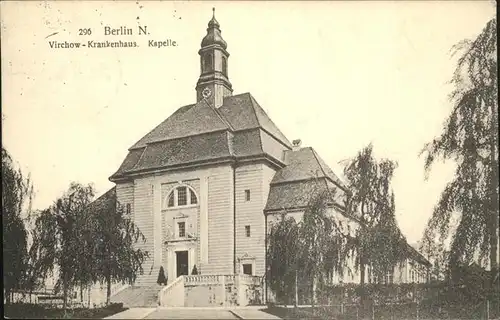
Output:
x=208 y=62
x=129 y=208
x=247 y=195
x=224 y=66
x=247 y=231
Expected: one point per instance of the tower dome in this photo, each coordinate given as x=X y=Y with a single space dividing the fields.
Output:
x=213 y=84
x=213 y=34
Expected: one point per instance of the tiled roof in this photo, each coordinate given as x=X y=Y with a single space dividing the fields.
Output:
x=246 y=143
x=298 y=194
x=130 y=160
x=187 y=121
x=180 y=151
x=199 y=132
x=305 y=176
x=240 y=111
x=106 y=201
x=304 y=164
x=243 y=112
x=417 y=256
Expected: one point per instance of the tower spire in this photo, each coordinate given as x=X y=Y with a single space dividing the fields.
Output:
x=213 y=77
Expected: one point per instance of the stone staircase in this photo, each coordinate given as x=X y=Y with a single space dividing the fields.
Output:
x=211 y=291
x=138 y=296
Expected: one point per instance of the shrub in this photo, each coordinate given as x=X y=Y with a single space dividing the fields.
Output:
x=195 y=270
x=162 y=279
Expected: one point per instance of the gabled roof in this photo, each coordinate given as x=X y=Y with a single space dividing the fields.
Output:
x=166 y=153
x=199 y=132
x=186 y=121
x=243 y=112
x=417 y=256
x=106 y=201
x=304 y=177
x=304 y=164
x=295 y=195
x=240 y=112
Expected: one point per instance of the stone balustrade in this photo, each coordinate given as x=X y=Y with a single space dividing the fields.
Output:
x=173 y=294
x=196 y=290
x=209 y=279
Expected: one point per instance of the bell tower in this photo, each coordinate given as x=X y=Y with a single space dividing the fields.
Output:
x=213 y=84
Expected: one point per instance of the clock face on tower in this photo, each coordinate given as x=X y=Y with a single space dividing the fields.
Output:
x=206 y=93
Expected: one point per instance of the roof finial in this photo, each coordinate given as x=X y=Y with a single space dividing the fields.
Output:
x=213 y=22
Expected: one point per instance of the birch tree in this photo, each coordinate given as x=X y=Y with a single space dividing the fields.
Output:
x=17 y=193
x=115 y=257
x=59 y=240
x=379 y=242
x=470 y=139
x=308 y=251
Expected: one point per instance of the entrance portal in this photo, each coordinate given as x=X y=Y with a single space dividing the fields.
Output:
x=182 y=263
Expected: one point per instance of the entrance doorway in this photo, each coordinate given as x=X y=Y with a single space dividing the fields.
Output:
x=182 y=263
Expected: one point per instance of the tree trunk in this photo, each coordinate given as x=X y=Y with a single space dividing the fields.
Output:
x=108 y=289
x=90 y=287
x=81 y=292
x=65 y=291
x=362 y=286
x=494 y=201
x=296 y=289
x=313 y=291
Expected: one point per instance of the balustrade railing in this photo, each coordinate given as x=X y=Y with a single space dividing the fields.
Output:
x=248 y=279
x=173 y=294
x=209 y=279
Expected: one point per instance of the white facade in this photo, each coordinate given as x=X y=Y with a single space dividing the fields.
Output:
x=214 y=220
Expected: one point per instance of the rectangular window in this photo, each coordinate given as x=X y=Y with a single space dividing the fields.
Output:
x=247 y=195
x=182 y=229
x=247 y=231
x=247 y=268
x=129 y=208
x=181 y=196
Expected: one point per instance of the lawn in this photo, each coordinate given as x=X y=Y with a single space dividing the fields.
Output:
x=34 y=311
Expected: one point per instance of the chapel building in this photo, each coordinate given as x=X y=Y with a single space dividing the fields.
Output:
x=202 y=185
x=205 y=186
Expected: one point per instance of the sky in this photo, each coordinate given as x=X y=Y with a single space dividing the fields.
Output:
x=337 y=75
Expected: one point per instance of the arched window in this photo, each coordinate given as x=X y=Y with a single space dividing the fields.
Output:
x=181 y=196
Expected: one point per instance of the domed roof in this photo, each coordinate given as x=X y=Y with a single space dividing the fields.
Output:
x=213 y=34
